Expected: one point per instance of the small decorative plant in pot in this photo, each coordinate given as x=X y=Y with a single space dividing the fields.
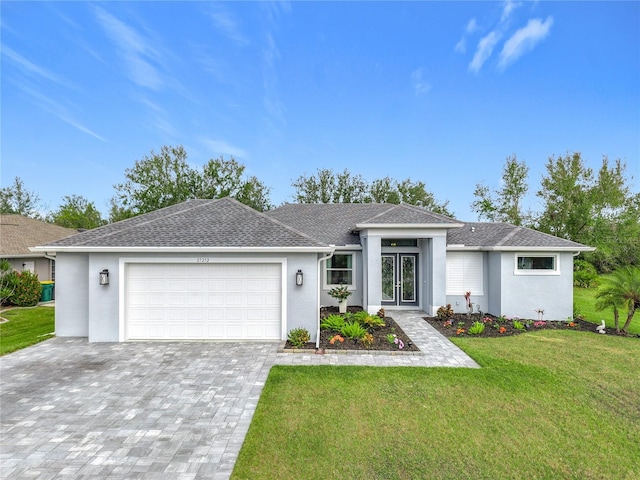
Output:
x=341 y=294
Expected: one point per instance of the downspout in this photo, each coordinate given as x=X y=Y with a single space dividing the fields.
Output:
x=320 y=260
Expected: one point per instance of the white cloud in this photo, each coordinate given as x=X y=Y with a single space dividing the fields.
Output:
x=509 y=7
x=31 y=68
x=221 y=147
x=228 y=26
x=58 y=110
x=524 y=40
x=484 y=50
x=420 y=86
x=138 y=53
x=472 y=26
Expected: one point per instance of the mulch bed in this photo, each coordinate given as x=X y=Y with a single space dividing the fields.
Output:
x=380 y=342
x=461 y=321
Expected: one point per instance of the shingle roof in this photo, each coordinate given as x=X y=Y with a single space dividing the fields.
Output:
x=335 y=223
x=18 y=233
x=223 y=222
x=504 y=235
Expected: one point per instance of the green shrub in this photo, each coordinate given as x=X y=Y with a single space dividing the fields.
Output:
x=518 y=325
x=367 y=340
x=332 y=322
x=353 y=330
x=476 y=328
x=298 y=337
x=584 y=274
x=445 y=313
x=366 y=320
x=27 y=289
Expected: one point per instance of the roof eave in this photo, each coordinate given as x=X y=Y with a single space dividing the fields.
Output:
x=364 y=226
x=519 y=249
x=85 y=249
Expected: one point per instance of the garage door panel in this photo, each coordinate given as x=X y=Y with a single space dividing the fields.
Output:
x=203 y=301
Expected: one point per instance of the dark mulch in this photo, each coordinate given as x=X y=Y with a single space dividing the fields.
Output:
x=492 y=326
x=380 y=341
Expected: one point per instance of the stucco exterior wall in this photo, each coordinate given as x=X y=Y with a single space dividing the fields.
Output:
x=521 y=295
x=494 y=282
x=356 y=297
x=87 y=309
x=72 y=295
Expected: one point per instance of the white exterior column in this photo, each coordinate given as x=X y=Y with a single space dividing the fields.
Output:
x=438 y=278
x=372 y=258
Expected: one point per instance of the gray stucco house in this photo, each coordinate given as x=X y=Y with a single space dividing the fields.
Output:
x=217 y=269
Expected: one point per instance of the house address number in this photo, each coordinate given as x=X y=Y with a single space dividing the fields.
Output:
x=202 y=260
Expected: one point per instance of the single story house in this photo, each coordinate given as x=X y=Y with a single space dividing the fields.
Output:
x=18 y=234
x=217 y=269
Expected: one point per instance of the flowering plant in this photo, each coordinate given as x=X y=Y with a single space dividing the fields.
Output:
x=393 y=339
x=340 y=293
x=539 y=323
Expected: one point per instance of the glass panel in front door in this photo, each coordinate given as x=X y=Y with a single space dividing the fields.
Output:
x=388 y=278
x=408 y=280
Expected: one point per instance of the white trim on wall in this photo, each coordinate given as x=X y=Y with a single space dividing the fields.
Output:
x=533 y=271
x=354 y=280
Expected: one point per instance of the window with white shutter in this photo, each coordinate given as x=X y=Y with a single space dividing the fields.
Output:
x=465 y=273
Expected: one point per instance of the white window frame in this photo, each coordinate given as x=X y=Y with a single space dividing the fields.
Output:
x=351 y=286
x=470 y=264
x=525 y=271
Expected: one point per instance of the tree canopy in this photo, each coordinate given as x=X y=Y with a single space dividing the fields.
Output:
x=18 y=200
x=77 y=212
x=596 y=209
x=505 y=204
x=165 y=178
x=327 y=186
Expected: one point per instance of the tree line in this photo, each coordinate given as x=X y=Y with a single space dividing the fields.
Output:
x=596 y=208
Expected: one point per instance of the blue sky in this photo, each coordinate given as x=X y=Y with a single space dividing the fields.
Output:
x=440 y=92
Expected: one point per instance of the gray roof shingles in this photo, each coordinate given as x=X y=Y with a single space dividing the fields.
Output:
x=505 y=235
x=223 y=222
x=228 y=223
x=335 y=223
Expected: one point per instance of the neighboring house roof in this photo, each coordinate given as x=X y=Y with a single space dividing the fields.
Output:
x=222 y=223
x=338 y=223
x=18 y=233
x=504 y=236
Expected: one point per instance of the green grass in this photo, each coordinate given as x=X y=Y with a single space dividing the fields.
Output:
x=585 y=301
x=26 y=326
x=549 y=404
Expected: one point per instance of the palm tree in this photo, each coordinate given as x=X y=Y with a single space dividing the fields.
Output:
x=620 y=290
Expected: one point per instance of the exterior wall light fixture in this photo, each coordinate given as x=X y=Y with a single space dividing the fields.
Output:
x=299 y=278
x=104 y=277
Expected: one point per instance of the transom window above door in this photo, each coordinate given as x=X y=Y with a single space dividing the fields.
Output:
x=340 y=270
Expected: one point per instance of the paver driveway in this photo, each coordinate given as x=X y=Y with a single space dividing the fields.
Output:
x=72 y=409
x=128 y=410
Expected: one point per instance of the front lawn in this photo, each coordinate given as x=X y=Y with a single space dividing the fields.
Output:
x=26 y=326
x=550 y=404
x=584 y=300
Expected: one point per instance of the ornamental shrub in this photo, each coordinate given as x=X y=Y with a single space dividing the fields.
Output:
x=476 y=328
x=333 y=322
x=27 y=290
x=353 y=330
x=298 y=337
x=445 y=313
x=584 y=274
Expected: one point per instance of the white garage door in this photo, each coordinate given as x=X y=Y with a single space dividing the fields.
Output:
x=168 y=301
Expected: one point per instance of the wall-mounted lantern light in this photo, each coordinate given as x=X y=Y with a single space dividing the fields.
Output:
x=299 y=278
x=104 y=277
